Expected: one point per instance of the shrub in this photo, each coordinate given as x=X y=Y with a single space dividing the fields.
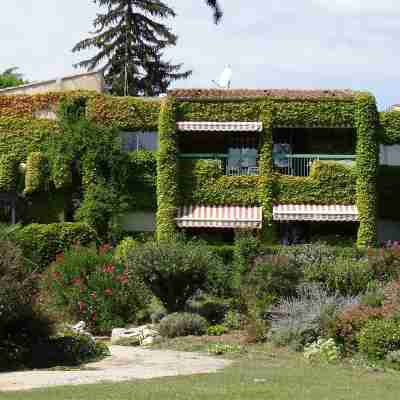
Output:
x=349 y=323
x=324 y=350
x=246 y=249
x=385 y=263
x=182 y=324
x=391 y=294
x=233 y=320
x=302 y=319
x=373 y=297
x=222 y=348
x=341 y=275
x=217 y=330
x=379 y=337
x=274 y=275
x=22 y=324
x=90 y=286
x=71 y=349
x=213 y=309
x=226 y=252
x=172 y=271
x=393 y=357
x=42 y=243
x=122 y=250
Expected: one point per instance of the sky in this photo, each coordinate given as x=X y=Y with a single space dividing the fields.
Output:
x=302 y=44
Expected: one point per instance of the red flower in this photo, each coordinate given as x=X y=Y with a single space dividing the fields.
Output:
x=81 y=305
x=108 y=292
x=93 y=295
x=56 y=275
x=93 y=316
x=109 y=268
x=76 y=281
x=123 y=278
x=104 y=248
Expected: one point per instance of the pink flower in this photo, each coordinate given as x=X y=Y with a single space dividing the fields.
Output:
x=77 y=280
x=108 y=292
x=109 y=268
x=81 y=305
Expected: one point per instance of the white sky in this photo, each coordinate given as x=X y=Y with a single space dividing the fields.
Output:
x=269 y=43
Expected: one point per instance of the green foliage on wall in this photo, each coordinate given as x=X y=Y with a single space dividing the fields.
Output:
x=330 y=113
x=127 y=113
x=167 y=174
x=142 y=181
x=389 y=132
x=36 y=172
x=202 y=182
x=329 y=183
x=8 y=172
x=367 y=168
x=323 y=113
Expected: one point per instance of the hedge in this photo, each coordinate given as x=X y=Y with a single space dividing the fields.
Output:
x=41 y=243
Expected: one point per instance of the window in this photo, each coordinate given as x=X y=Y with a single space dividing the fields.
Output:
x=141 y=140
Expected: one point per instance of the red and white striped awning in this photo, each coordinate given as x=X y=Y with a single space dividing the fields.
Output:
x=219 y=217
x=307 y=212
x=220 y=126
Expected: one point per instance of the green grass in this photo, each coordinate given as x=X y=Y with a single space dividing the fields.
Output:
x=260 y=373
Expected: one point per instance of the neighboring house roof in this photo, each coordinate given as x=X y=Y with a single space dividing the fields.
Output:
x=84 y=81
x=254 y=93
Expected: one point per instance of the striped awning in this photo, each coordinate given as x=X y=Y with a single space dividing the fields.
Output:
x=307 y=212
x=220 y=126
x=219 y=217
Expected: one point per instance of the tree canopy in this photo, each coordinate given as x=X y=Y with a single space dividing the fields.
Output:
x=10 y=78
x=130 y=40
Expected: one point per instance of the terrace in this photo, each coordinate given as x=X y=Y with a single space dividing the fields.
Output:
x=294 y=150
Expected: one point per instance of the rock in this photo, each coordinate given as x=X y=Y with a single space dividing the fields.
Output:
x=145 y=335
x=80 y=329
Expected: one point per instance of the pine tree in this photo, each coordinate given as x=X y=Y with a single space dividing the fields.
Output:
x=130 y=43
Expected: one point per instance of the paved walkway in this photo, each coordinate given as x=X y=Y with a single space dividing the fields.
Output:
x=125 y=363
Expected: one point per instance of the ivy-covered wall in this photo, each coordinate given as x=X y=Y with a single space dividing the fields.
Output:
x=23 y=135
x=202 y=182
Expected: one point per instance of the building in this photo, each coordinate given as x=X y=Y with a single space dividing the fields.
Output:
x=287 y=164
x=267 y=160
x=93 y=81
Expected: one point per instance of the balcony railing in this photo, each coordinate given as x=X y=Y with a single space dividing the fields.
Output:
x=223 y=163
x=300 y=164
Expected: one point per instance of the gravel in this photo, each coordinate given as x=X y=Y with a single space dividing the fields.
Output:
x=124 y=364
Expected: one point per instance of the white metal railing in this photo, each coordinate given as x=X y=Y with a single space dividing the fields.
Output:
x=242 y=171
x=300 y=164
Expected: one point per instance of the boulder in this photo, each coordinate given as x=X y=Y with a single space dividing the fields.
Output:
x=144 y=335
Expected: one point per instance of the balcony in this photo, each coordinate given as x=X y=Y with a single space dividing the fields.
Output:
x=301 y=164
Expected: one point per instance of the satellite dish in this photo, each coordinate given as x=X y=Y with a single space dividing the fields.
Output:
x=225 y=79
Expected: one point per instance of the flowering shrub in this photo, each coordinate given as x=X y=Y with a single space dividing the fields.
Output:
x=90 y=286
x=379 y=337
x=302 y=319
x=322 y=350
x=350 y=321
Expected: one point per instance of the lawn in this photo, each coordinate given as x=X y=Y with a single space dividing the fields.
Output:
x=261 y=373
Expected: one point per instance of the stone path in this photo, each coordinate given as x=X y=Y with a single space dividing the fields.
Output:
x=125 y=363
